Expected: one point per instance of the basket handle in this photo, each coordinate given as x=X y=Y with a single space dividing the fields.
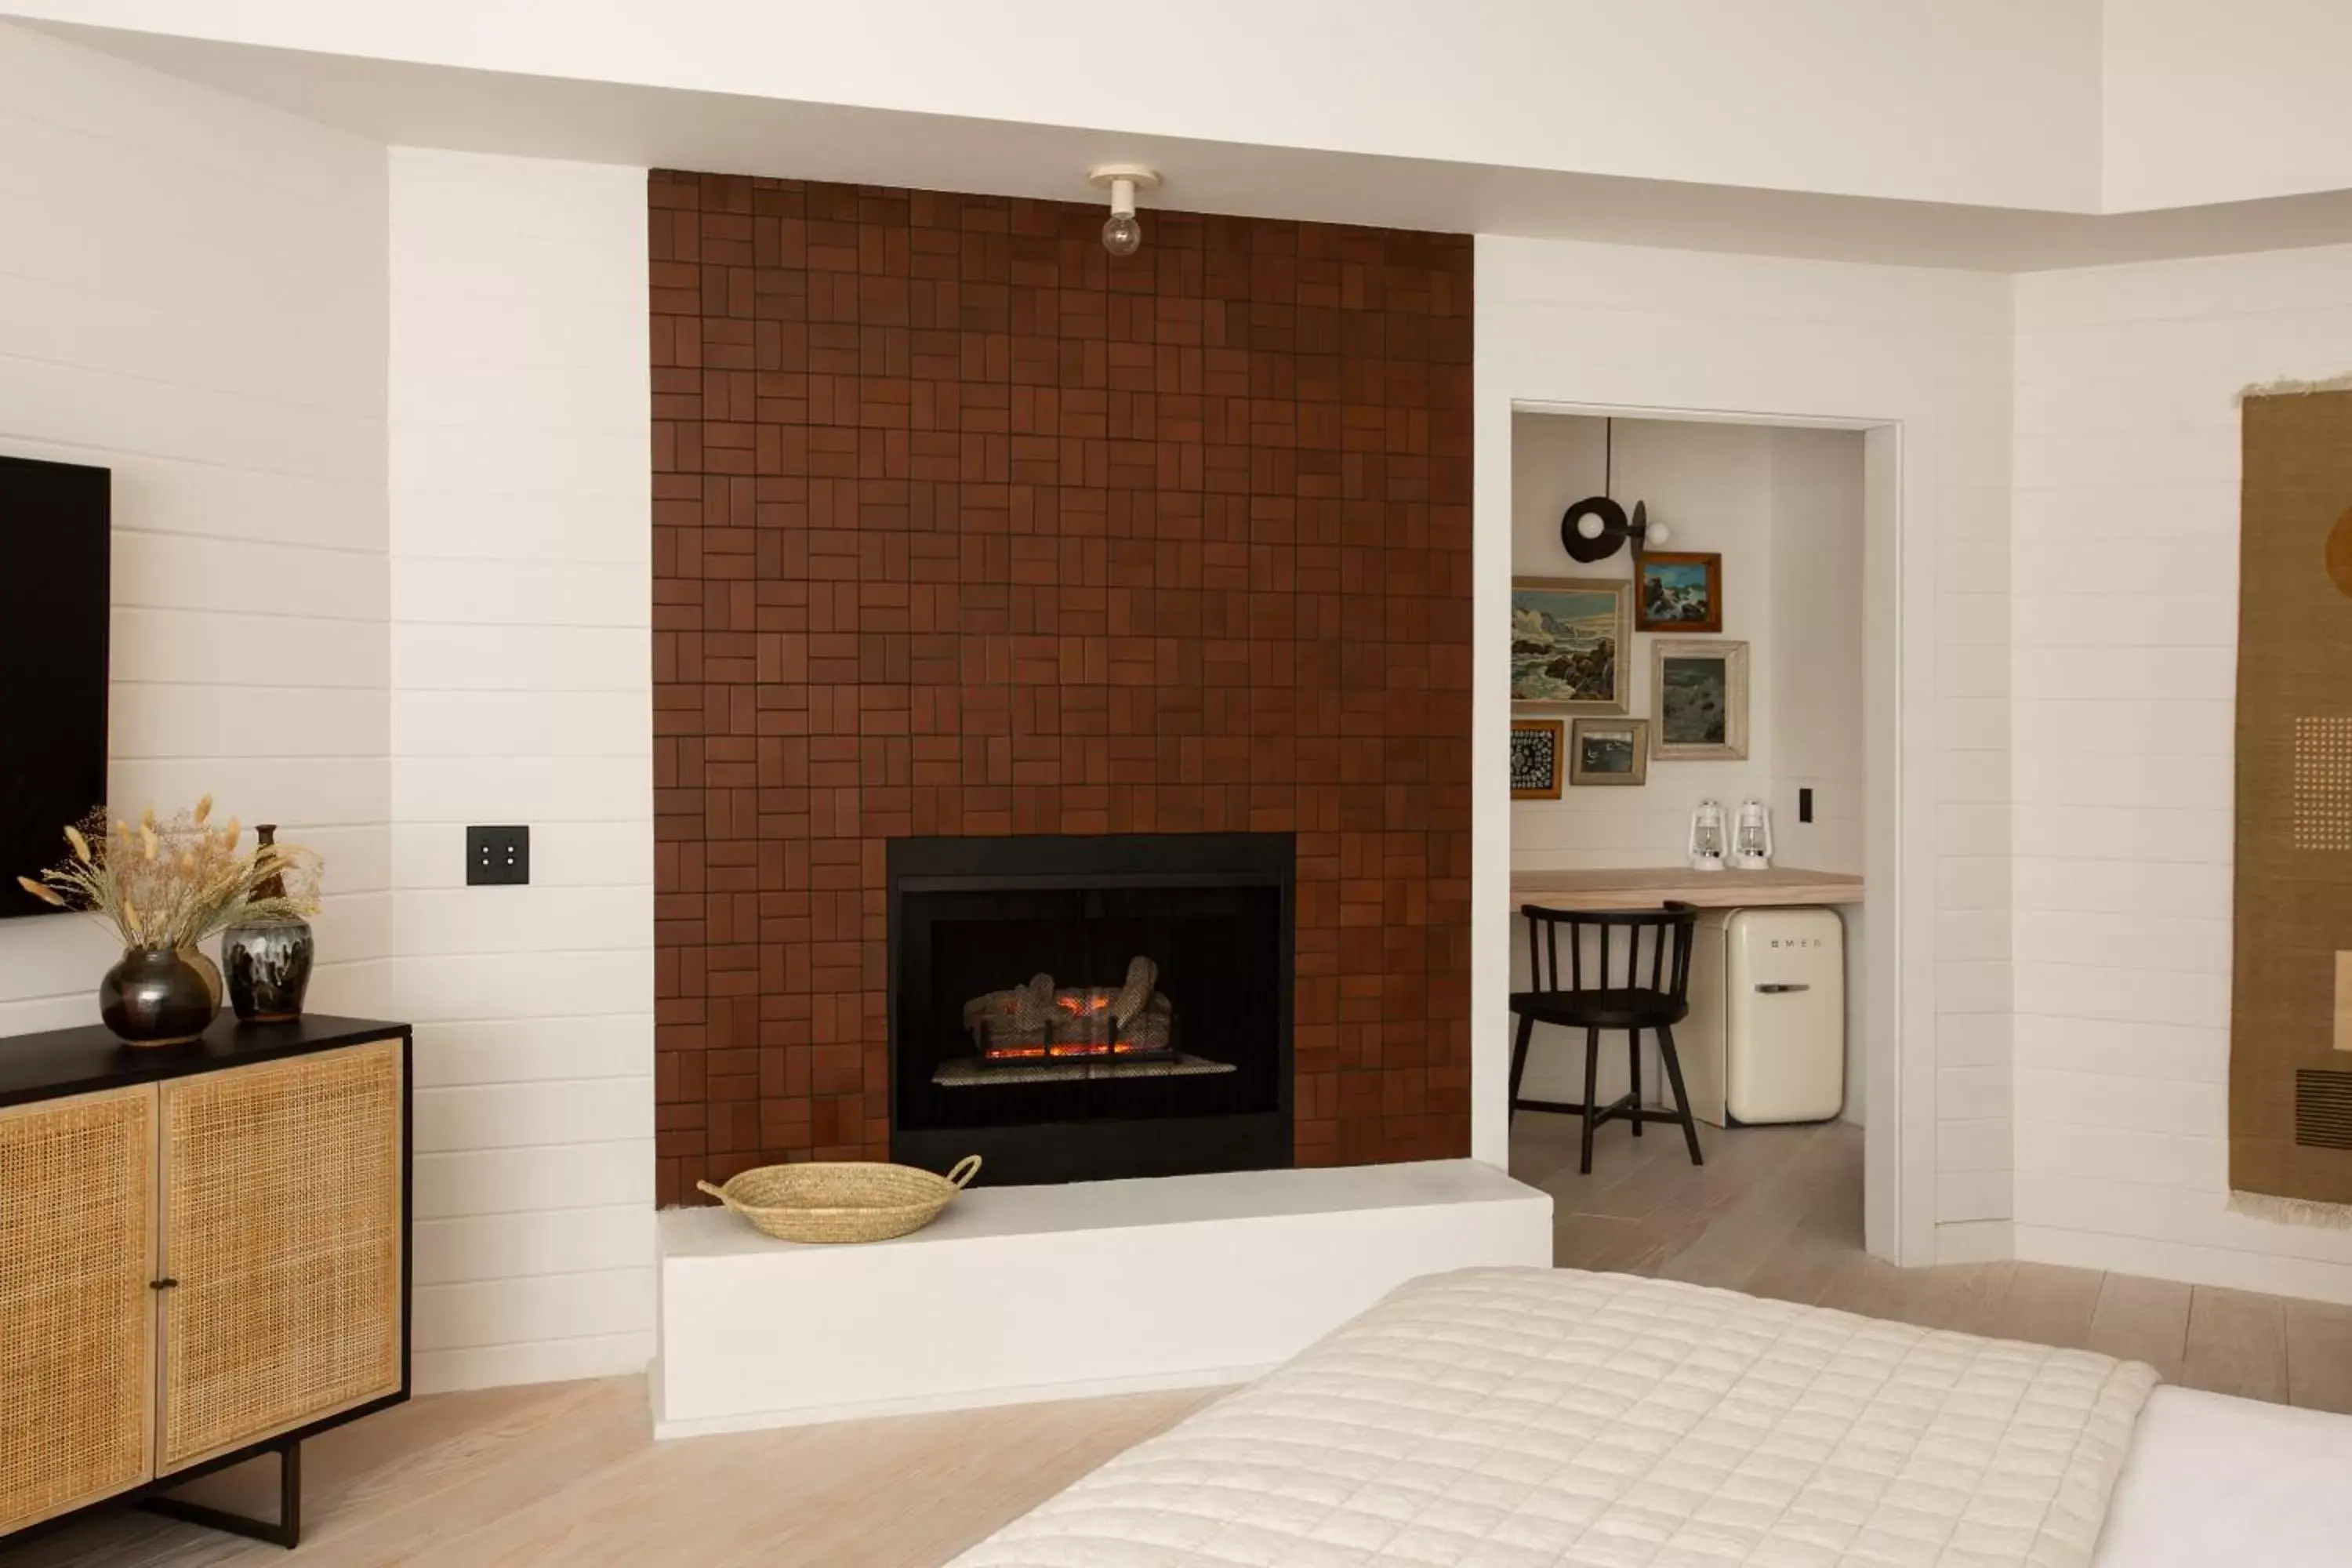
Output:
x=965 y=1170
x=716 y=1192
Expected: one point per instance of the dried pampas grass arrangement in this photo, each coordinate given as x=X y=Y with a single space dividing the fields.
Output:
x=173 y=883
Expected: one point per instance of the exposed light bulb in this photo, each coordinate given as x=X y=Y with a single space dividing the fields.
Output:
x=1589 y=526
x=1121 y=234
x=1658 y=533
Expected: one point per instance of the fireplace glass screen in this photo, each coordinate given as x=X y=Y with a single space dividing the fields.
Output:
x=1075 y=1008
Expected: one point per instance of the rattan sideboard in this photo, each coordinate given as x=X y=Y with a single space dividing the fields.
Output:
x=204 y=1258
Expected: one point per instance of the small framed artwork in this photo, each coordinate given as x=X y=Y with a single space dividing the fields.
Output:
x=1701 y=692
x=1569 y=642
x=1679 y=592
x=1609 y=752
x=1535 y=758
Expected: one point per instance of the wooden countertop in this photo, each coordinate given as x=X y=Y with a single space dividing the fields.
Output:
x=1642 y=887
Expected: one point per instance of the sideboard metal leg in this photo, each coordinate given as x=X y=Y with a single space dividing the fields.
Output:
x=287 y=1531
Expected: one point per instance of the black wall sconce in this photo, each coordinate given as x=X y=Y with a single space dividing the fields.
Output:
x=1596 y=527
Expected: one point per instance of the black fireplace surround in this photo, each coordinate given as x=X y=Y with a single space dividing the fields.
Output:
x=970 y=917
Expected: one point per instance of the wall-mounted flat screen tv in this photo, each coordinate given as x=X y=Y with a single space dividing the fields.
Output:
x=54 y=548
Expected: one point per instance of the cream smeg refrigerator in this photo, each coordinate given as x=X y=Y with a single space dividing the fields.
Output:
x=1766 y=1038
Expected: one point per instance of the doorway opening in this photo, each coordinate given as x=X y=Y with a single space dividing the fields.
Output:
x=1735 y=692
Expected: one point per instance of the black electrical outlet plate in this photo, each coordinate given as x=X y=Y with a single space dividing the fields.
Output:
x=497 y=857
x=1804 y=805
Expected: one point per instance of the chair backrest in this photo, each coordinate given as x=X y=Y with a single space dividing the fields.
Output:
x=1636 y=950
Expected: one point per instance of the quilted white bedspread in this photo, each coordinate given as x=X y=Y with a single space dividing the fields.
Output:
x=1549 y=1418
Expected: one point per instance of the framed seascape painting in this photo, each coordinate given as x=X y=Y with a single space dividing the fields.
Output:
x=1700 y=688
x=1609 y=752
x=1536 y=746
x=1569 y=640
x=1679 y=592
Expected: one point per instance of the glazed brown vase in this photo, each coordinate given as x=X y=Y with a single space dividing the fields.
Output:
x=270 y=960
x=268 y=969
x=155 y=996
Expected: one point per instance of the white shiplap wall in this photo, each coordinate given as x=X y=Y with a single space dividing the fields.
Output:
x=522 y=692
x=1819 y=707
x=1817 y=656
x=1928 y=352
x=1712 y=485
x=1782 y=506
x=2126 y=564
x=192 y=295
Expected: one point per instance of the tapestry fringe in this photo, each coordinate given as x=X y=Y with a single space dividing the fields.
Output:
x=2290 y=388
x=2291 y=1211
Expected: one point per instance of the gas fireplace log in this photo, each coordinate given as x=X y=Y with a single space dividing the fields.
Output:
x=1040 y=1019
x=1136 y=994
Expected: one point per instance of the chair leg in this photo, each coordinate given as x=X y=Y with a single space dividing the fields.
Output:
x=1591 y=1088
x=1519 y=1062
x=1682 y=1096
x=1634 y=1070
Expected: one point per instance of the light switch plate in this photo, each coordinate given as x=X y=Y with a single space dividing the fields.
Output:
x=497 y=857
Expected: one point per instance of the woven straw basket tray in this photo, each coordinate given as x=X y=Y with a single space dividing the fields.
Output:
x=862 y=1200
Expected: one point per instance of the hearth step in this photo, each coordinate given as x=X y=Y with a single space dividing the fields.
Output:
x=1233 y=1272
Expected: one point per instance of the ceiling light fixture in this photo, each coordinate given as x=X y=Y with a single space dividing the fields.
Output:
x=1596 y=527
x=1121 y=234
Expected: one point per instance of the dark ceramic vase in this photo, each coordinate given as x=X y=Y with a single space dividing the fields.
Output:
x=205 y=966
x=269 y=968
x=155 y=996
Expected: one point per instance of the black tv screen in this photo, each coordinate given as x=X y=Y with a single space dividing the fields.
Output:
x=54 y=556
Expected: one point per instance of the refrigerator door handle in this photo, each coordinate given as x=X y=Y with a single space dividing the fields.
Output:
x=1780 y=989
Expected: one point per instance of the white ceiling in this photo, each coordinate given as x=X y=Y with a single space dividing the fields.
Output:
x=437 y=106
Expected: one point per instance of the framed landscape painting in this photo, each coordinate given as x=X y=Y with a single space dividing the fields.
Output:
x=1700 y=688
x=1609 y=752
x=1569 y=641
x=1682 y=591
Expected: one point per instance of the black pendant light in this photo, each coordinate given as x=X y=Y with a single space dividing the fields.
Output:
x=1610 y=528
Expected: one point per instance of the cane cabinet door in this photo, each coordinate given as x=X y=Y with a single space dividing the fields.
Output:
x=282 y=1235
x=76 y=1313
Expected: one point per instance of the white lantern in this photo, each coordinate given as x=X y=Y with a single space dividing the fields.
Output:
x=1706 y=837
x=1752 y=841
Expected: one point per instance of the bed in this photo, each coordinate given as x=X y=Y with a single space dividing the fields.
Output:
x=2212 y=1479
x=1551 y=1418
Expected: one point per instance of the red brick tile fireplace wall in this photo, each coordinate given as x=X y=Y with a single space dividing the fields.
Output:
x=963 y=526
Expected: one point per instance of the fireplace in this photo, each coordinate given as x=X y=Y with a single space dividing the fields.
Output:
x=1077 y=1008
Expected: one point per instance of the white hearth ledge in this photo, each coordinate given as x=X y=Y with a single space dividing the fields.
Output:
x=1028 y=1293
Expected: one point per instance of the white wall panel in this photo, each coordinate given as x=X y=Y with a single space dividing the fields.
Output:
x=1712 y=485
x=2126 y=530
x=193 y=296
x=522 y=692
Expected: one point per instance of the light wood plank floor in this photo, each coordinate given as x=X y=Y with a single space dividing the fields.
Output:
x=1777 y=1211
x=569 y=1474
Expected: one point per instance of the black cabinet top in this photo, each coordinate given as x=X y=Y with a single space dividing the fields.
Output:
x=60 y=1062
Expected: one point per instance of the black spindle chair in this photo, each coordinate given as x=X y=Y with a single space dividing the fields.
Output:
x=1624 y=989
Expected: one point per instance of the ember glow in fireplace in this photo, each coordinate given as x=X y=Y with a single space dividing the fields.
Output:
x=1076 y=1008
x=1042 y=1022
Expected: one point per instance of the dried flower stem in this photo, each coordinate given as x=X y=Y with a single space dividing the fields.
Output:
x=173 y=884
